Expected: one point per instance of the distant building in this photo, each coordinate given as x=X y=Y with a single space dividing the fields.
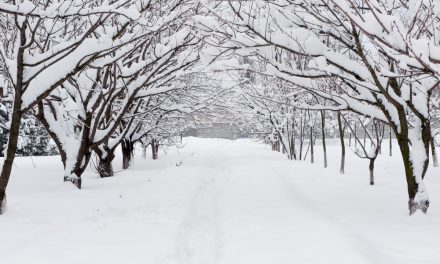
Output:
x=214 y=130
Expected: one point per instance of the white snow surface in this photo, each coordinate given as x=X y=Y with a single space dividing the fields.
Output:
x=231 y=202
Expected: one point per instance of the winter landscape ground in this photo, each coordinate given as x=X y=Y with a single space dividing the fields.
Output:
x=229 y=202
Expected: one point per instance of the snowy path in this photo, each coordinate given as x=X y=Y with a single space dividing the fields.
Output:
x=229 y=202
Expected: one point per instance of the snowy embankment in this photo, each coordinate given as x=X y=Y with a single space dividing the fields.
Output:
x=231 y=202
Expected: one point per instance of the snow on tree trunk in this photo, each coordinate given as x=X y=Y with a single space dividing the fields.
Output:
x=105 y=168
x=414 y=147
x=105 y=159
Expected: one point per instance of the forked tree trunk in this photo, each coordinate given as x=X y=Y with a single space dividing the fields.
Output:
x=74 y=174
x=324 y=147
x=105 y=159
x=341 y=137
x=105 y=168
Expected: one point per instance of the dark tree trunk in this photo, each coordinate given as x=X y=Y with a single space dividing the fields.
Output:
x=371 y=169
x=293 y=140
x=312 y=157
x=324 y=147
x=355 y=135
x=341 y=137
x=154 y=149
x=79 y=168
x=418 y=199
x=391 y=143
x=105 y=159
x=127 y=153
x=301 y=138
x=433 y=153
x=15 y=122
x=10 y=152
x=105 y=168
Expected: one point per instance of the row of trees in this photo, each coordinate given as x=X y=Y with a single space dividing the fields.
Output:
x=375 y=58
x=97 y=75
x=102 y=74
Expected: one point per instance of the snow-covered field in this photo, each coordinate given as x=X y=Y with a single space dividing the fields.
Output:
x=231 y=202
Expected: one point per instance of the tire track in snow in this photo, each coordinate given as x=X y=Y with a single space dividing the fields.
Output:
x=361 y=244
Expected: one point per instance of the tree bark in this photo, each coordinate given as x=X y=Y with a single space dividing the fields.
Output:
x=324 y=147
x=127 y=153
x=15 y=122
x=391 y=143
x=105 y=159
x=433 y=152
x=341 y=137
x=355 y=135
x=418 y=198
x=154 y=149
x=371 y=168
x=10 y=151
x=312 y=157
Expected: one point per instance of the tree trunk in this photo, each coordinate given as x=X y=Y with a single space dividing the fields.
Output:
x=433 y=152
x=371 y=168
x=301 y=138
x=154 y=149
x=324 y=147
x=355 y=135
x=127 y=153
x=105 y=167
x=341 y=137
x=10 y=152
x=418 y=197
x=144 y=152
x=293 y=140
x=391 y=143
x=349 y=140
x=311 y=146
x=14 y=129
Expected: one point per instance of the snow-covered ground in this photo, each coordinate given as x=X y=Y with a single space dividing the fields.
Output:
x=231 y=202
